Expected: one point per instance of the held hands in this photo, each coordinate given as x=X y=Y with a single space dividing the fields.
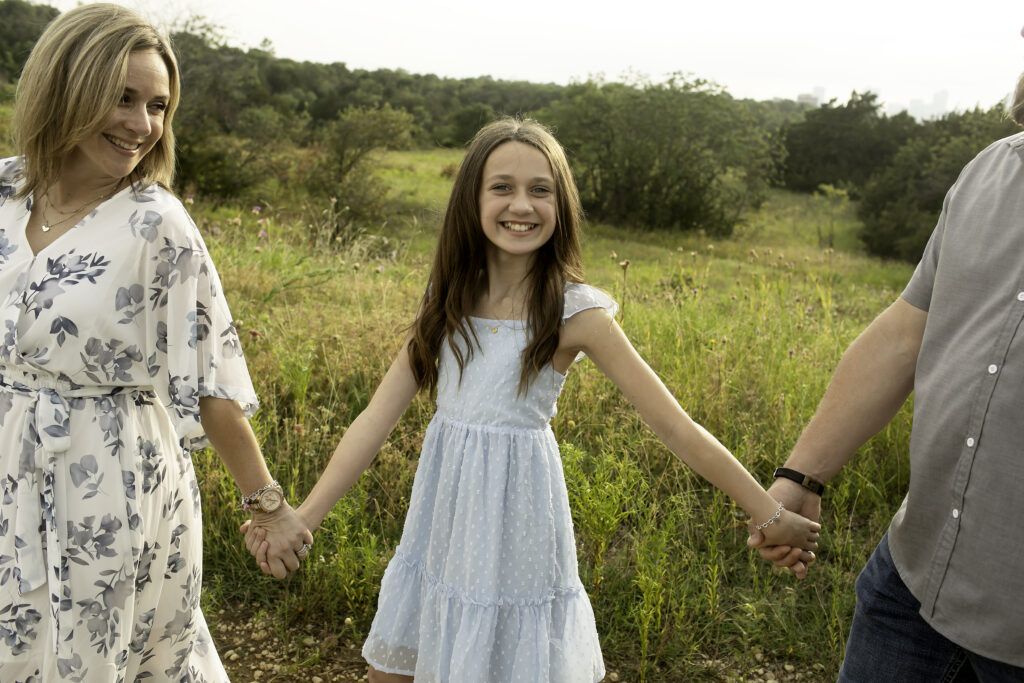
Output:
x=278 y=540
x=773 y=545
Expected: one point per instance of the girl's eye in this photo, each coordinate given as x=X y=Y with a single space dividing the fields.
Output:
x=501 y=187
x=158 y=106
x=126 y=99
x=541 y=190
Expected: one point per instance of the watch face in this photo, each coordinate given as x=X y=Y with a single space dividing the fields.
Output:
x=271 y=499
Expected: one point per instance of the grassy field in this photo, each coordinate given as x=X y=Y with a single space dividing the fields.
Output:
x=745 y=332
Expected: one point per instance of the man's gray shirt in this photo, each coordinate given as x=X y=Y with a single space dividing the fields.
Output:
x=958 y=537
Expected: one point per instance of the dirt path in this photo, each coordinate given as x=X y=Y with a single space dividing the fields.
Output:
x=255 y=652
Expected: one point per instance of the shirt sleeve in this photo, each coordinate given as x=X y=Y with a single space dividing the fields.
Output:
x=194 y=347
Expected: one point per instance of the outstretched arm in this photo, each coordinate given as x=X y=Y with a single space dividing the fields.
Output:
x=233 y=439
x=872 y=381
x=363 y=439
x=596 y=333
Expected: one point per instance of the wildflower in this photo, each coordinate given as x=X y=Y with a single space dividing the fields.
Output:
x=255 y=334
x=189 y=200
x=791 y=353
x=711 y=247
x=256 y=210
x=215 y=230
x=355 y=266
x=693 y=254
x=380 y=269
x=624 y=264
x=613 y=256
x=263 y=234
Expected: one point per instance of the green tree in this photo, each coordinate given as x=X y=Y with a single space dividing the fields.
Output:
x=902 y=201
x=343 y=166
x=21 y=24
x=679 y=154
x=842 y=145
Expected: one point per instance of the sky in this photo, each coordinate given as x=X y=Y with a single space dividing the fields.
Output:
x=945 y=54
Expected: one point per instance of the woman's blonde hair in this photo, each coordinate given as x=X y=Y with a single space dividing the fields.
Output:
x=73 y=78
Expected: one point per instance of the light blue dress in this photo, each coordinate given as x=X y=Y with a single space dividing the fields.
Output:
x=484 y=585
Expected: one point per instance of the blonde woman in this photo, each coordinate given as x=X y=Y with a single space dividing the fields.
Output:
x=118 y=357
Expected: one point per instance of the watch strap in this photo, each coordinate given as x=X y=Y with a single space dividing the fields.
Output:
x=253 y=498
x=809 y=483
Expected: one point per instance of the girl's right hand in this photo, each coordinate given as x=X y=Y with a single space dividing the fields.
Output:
x=793 y=530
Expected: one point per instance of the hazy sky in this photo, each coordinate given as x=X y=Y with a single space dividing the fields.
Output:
x=903 y=50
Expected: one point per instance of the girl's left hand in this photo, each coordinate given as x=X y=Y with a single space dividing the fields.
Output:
x=793 y=530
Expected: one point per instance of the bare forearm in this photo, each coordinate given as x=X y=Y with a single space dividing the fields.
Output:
x=233 y=439
x=352 y=456
x=706 y=456
x=872 y=381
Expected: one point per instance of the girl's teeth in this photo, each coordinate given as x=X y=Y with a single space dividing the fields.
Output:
x=519 y=227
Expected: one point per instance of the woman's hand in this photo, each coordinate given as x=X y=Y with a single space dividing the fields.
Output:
x=276 y=540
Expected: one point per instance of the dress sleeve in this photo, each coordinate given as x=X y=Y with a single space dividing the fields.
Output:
x=580 y=297
x=193 y=345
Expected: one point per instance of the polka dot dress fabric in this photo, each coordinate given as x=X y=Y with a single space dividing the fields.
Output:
x=484 y=584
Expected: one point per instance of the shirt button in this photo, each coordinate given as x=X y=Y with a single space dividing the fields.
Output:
x=993 y=369
x=1020 y=296
x=970 y=442
x=956 y=513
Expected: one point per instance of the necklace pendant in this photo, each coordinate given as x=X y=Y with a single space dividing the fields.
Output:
x=46 y=228
x=494 y=330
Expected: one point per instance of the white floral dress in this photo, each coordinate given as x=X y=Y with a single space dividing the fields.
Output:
x=108 y=338
x=484 y=587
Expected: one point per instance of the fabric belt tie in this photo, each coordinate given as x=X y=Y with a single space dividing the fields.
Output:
x=39 y=516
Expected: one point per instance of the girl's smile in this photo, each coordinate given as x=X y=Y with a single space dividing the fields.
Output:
x=517 y=199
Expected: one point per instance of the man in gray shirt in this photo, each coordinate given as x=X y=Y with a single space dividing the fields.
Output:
x=942 y=597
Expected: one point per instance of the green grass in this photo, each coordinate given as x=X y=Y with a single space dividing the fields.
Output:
x=745 y=332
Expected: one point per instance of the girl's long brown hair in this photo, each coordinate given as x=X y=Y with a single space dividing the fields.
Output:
x=459 y=272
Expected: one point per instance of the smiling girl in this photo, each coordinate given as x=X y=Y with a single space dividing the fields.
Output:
x=484 y=584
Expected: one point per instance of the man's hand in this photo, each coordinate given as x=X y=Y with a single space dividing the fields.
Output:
x=794 y=498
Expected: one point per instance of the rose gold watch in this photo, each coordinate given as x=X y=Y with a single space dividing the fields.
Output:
x=267 y=499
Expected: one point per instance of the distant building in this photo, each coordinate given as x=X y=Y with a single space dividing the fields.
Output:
x=807 y=99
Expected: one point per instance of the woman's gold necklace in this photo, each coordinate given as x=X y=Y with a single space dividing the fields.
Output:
x=68 y=215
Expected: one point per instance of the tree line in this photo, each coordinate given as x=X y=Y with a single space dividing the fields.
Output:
x=679 y=154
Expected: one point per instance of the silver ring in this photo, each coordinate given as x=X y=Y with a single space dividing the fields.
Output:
x=303 y=551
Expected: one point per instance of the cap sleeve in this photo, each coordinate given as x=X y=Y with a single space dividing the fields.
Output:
x=194 y=347
x=580 y=297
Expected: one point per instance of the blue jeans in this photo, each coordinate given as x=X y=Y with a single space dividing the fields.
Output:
x=890 y=642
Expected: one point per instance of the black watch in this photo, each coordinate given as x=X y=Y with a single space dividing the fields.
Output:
x=812 y=485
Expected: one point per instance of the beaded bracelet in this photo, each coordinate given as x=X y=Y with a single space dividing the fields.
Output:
x=771 y=520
